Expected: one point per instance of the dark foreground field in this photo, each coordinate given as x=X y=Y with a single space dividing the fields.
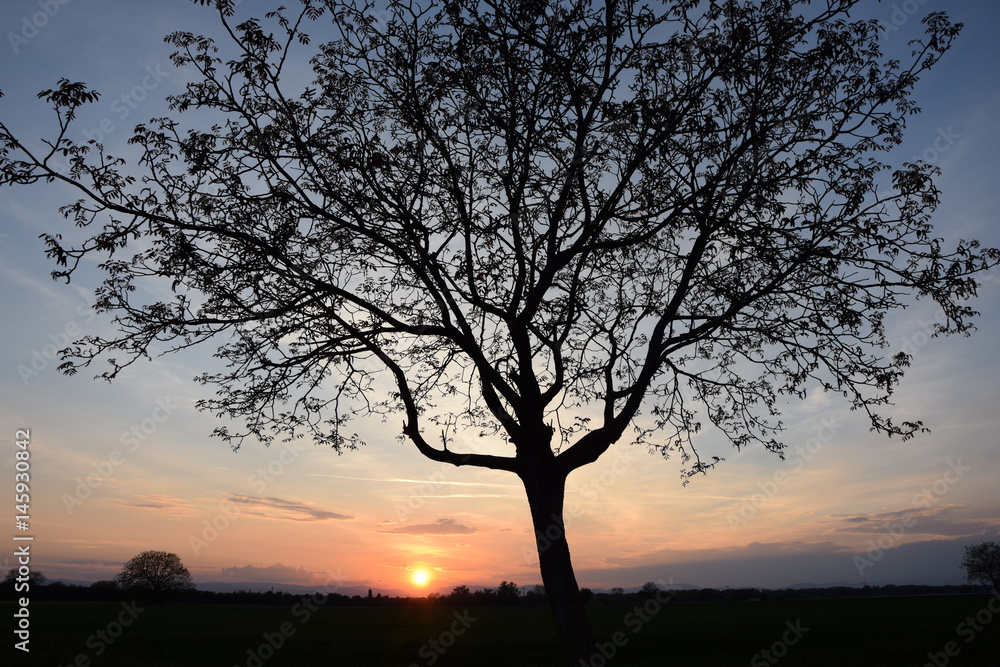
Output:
x=872 y=631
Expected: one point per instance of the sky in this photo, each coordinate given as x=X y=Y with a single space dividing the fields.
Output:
x=124 y=467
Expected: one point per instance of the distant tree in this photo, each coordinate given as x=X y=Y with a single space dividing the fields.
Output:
x=649 y=589
x=553 y=222
x=586 y=595
x=618 y=591
x=508 y=592
x=33 y=578
x=982 y=564
x=460 y=593
x=15 y=585
x=155 y=572
x=535 y=595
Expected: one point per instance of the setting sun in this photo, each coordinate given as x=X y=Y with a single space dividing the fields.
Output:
x=420 y=577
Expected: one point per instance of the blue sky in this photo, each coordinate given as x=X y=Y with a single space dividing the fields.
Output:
x=156 y=481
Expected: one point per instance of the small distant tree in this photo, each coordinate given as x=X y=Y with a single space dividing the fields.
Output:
x=155 y=572
x=15 y=585
x=508 y=592
x=649 y=589
x=460 y=594
x=33 y=578
x=534 y=595
x=982 y=564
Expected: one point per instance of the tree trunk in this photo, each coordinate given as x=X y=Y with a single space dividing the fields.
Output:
x=545 y=499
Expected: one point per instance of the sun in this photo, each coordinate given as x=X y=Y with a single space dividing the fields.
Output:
x=420 y=576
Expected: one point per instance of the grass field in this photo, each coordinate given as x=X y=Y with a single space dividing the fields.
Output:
x=868 y=631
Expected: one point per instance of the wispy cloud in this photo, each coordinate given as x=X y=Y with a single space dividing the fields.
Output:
x=88 y=562
x=404 y=480
x=939 y=521
x=158 y=502
x=439 y=527
x=279 y=508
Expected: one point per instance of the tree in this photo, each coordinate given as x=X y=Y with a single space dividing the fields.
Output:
x=460 y=593
x=982 y=564
x=155 y=572
x=20 y=582
x=649 y=590
x=555 y=223
x=535 y=595
x=508 y=592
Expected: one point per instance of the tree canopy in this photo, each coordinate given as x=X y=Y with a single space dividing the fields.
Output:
x=155 y=572
x=981 y=563
x=555 y=223
x=623 y=211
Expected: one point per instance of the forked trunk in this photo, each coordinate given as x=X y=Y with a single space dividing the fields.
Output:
x=545 y=498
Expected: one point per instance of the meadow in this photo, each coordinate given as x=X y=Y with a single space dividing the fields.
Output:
x=910 y=631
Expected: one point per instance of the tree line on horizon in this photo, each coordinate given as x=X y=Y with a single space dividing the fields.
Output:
x=160 y=576
x=109 y=591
